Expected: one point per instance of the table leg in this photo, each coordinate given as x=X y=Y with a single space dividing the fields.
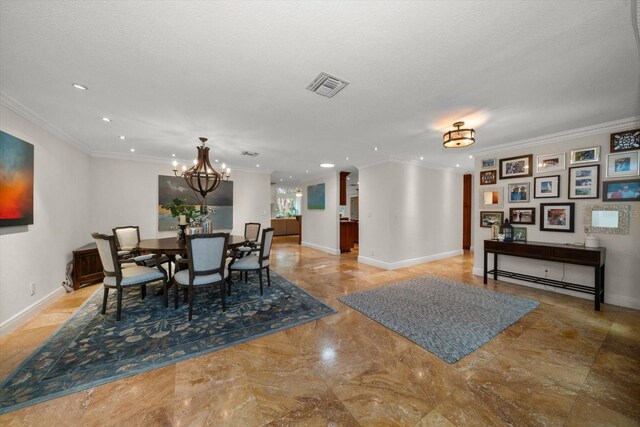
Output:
x=598 y=288
x=495 y=266
x=484 y=275
x=602 y=283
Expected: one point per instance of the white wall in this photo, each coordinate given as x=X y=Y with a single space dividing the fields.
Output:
x=39 y=252
x=320 y=227
x=409 y=214
x=126 y=193
x=623 y=251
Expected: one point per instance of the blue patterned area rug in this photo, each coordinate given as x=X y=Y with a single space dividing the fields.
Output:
x=447 y=318
x=91 y=349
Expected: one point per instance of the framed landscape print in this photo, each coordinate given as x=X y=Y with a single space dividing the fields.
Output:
x=491 y=198
x=551 y=163
x=516 y=167
x=584 y=182
x=16 y=181
x=585 y=155
x=622 y=164
x=618 y=191
x=487 y=219
x=519 y=192
x=522 y=215
x=625 y=141
x=546 y=186
x=488 y=177
x=488 y=164
x=557 y=217
x=519 y=234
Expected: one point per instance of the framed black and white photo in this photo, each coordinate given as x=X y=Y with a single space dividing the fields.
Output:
x=585 y=155
x=487 y=219
x=627 y=190
x=488 y=164
x=551 y=163
x=625 y=141
x=488 y=177
x=622 y=164
x=522 y=215
x=584 y=182
x=519 y=192
x=557 y=217
x=546 y=187
x=516 y=167
x=519 y=234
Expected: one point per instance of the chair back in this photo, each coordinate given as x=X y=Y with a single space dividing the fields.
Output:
x=252 y=231
x=265 y=244
x=108 y=254
x=207 y=253
x=127 y=237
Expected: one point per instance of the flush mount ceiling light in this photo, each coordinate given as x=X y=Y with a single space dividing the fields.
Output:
x=327 y=165
x=459 y=138
x=79 y=86
x=106 y=119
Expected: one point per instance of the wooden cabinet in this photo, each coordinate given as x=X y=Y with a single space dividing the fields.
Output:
x=87 y=267
x=285 y=226
x=347 y=235
x=343 y=188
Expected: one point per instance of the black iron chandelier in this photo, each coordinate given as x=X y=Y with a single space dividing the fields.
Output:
x=202 y=177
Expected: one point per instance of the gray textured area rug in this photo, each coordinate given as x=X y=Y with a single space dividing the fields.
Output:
x=447 y=318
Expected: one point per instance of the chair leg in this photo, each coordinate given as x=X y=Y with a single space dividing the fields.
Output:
x=222 y=290
x=143 y=291
x=119 y=309
x=175 y=296
x=165 y=291
x=104 y=300
x=268 y=278
x=246 y=277
x=191 y=292
x=260 y=277
x=229 y=282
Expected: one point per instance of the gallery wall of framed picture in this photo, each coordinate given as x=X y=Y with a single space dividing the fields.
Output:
x=548 y=194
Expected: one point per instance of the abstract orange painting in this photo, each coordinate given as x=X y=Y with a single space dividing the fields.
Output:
x=16 y=181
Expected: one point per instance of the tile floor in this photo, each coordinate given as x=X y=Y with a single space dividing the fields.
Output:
x=562 y=364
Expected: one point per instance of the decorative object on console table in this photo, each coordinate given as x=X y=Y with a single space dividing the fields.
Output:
x=516 y=167
x=623 y=164
x=87 y=267
x=519 y=234
x=16 y=181
x=551 y=163
x=584 y=182
x=488 y=219
x=625 y=141
x=488 y=177
x=506 y=230
x=557 y=217
x=519 y=192
x=617 y=191
x=546 y=187
x=522 y=215
x=585 y=155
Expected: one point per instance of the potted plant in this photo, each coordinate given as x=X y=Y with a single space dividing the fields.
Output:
x=180 y=207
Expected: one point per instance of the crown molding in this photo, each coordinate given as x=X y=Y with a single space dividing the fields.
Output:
x=612 y=126
x=18 y=108
x=419 y=163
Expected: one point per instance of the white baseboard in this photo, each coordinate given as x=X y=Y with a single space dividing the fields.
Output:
x=614 y=299
x=408 y=262
x=23 y=316
x=332 y=251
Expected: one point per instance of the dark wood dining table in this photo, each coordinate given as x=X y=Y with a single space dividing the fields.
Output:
x=171 y=247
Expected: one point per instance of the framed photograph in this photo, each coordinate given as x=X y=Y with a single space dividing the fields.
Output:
x=488 y=164
x=522 y=215
x=519 y=234
x=519 y=192
x=617 y=191
x=516 y=167
x=584 y=182
x=623 y=164
x=491 y=198
x=585 y=155
x=551 y=163
x=488 y=177
x=625 y=141
x=546 y=187
x=487 y=219
x=557 y=217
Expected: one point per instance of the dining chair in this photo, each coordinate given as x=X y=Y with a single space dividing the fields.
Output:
x=252 y=234
x=127 y=239
x=206 y=255
x=256 y=261
x=119 y=278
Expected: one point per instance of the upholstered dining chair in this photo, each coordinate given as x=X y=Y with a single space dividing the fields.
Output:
x=257 y=261
x=252 y=234
x=206 y=255
x=127 y=239
x=119 y=278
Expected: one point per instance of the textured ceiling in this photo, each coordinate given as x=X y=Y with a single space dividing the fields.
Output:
x=169 y=72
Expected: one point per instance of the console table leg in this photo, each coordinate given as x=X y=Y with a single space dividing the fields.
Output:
x=602 y=283
x=484 y=276
x=597 y=285
x=495 y=266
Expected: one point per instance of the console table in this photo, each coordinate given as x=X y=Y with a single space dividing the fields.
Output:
x=568 y=254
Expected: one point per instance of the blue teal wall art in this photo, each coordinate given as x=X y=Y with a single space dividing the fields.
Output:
x=315 y=196
x=16 y=181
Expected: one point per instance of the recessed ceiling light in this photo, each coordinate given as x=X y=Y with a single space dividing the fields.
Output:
x=375 y=149
x=79 y=86
x=348 y=177
x=290 y=177
x=133 y=150
x=306 y=171
x=173 y=155
x=457 y=166
x=327 y=165
x=257 y=166
x=470 y=156
x=122 y=137
x=346 y=158
x=421 y=158
x=106 y=119
x=280 y=179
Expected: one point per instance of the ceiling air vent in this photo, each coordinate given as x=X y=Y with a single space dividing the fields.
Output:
x=249 y=153
x=327 y=85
